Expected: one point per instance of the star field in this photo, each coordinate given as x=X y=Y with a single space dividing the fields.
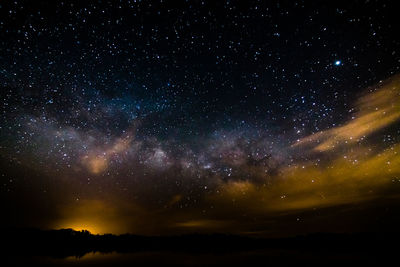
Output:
x=154 y=117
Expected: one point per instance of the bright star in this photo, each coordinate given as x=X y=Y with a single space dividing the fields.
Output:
x=338 y=62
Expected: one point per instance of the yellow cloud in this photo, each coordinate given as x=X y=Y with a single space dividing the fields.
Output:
x=375 y=111
x=354 y=178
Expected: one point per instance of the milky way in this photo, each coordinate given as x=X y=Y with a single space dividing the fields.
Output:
x=156 y=117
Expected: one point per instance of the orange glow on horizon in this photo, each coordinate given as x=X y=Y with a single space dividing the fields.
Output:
x=96 y=216
x=77 y=225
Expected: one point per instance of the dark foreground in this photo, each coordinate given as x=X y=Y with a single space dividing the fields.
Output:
x=67 y=247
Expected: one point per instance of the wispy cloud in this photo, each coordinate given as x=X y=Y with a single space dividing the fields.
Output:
x=373 y=112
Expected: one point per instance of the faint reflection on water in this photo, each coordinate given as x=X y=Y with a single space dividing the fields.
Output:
x=94 y=256
x=249 y=258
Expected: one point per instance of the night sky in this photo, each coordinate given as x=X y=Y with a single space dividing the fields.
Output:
x=265 y=118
